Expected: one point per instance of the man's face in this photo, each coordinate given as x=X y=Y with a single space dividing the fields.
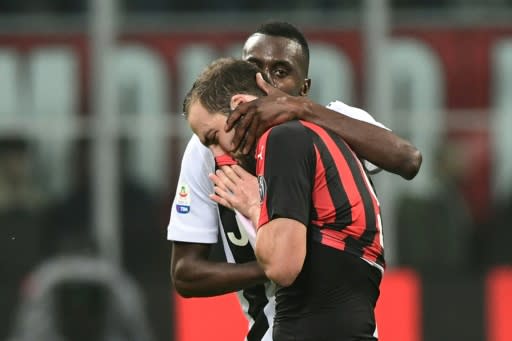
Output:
x=282 y=61
x=209 y=127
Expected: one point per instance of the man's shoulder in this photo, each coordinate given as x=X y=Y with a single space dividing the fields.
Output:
x=292 y=128
x=286 y=137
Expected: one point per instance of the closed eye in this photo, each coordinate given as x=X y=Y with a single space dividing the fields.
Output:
x=211 y=138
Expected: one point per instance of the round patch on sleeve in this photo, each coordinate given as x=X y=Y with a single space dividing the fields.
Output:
x=183 y=199
x=262 y=187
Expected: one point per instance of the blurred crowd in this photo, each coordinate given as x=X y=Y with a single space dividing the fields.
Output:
x=65 y=6
x=52 y=276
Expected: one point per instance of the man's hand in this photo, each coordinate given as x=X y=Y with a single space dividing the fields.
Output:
x=250 y=120
x=235 y=188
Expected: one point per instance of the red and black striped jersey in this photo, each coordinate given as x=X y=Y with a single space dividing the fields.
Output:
x=310 y=174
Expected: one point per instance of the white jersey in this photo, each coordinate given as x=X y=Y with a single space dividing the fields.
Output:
x=361 y=115
x=195 y=218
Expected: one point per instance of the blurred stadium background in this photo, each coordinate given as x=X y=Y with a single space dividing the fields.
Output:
x=91 y=138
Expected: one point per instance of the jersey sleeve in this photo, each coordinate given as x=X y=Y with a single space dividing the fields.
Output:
x=285 y=163
x=194 y=216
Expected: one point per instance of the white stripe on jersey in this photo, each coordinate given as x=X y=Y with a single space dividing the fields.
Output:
x=269 y=309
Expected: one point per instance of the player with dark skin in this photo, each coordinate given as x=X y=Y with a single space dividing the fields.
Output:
x=250 y=120
x=283 y=60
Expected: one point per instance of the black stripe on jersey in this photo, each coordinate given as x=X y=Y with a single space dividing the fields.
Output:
x=289 y=149
x=255 y=295
x=335 y=187
x=370 y=231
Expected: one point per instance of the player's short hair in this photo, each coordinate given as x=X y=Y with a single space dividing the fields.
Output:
x=222 y=79
x=286 y=30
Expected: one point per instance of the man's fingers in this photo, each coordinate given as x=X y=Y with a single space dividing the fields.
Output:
x=260 y=129
x=237 y=115
x=220 y=200
x=242 y=142
x=250 y=136
x=241 y=129
x=233 y=118
x=218 y=181
x=227 y=183
x=264 y=85
x=215 y=179
x=240 y=172
x=231 y=174
x=221 y=192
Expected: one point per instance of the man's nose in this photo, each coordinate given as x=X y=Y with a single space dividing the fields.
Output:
x=267 y=73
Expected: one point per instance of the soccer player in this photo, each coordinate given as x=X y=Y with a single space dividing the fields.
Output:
x=320 y=234
x=282 y=52
x=197 y=222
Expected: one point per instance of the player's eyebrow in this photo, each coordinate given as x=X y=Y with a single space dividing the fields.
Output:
x=283 y=63
x=277 y=62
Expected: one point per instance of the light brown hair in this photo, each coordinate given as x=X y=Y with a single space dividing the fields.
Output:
x=222 y=79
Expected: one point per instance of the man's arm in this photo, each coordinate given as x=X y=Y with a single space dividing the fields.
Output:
x=194 y=275
x=281 y=249
x=377 y=145
x=285 y=166
x=194 y=227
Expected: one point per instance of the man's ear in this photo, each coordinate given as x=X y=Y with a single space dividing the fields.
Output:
x=238 y=99
x=304 y=90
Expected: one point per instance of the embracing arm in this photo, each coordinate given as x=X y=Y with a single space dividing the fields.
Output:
x=281 y=249
x=194 y=275
x=377 y=145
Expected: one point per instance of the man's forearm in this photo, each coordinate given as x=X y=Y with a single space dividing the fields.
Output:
x=202 y=278
x=281 y=249
x=377 y=145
